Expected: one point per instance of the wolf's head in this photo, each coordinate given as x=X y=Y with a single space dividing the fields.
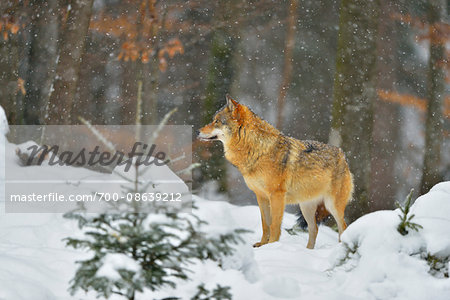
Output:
x=226 y=121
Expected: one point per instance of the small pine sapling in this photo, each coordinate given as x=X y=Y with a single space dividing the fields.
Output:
x=405 y=220
x=133 y=251
x=219 y=293
x=157 y=248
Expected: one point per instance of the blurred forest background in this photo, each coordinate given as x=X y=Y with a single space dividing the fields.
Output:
x=369 y=76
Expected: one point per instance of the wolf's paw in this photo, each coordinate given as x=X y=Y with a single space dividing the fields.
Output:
x=258 y=244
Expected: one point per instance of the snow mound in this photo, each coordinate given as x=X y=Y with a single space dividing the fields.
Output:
x=34 y=262
x=3 y=122
x=164 y=178
x=281 y=287
x=377 y=262
x=3 y=131
x=432 y=211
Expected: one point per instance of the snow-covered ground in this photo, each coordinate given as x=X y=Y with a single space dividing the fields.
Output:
x=382 y=264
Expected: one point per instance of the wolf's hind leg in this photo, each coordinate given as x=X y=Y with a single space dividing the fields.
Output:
x=309 y=213
x=340 y=196
x=264 y=208
x=337 y=211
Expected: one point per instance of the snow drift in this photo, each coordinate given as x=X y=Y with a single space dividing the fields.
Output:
x=376 y=262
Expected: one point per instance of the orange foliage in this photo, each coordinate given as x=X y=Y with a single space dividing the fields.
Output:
x=409 y=20
x=172 y=47
x=21 y=86
x=133 y=51
x=14 y=28
x=437 y=32
x=118 y=27
x=129 y=51
x=140 y=34
x=162 y=64
x=410 y=100
x=8 y=26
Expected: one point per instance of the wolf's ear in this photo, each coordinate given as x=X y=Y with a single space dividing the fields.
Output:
x=231 y=103
x=237 y=110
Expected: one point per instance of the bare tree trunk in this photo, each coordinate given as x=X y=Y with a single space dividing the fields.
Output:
x=150 y=77
x=43 y=51
x=385 y=179
x=287 y=65
x=9 y=64
x=9 y=68
x=354 y=94
x=219 y=79
x=129 y=94
x=148 y=73
x=72 y=42
x=431 y=174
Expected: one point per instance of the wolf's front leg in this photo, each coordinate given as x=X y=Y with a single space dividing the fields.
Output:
x=276 y=213
x=264 y=208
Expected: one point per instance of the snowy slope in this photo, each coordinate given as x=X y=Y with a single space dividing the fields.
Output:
x=275 y=271
x=34 y=264
x=386 y=265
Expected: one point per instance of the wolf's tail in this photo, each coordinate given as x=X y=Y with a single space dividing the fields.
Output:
x=321 y=214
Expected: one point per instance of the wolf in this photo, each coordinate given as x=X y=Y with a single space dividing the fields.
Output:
x=282 y=170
